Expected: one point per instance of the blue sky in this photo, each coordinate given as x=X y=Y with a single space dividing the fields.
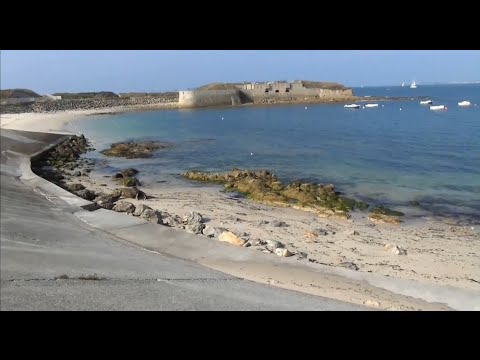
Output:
x=48 y=71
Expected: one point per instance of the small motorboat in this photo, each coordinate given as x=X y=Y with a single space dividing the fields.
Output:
x=352 y=106
x=371 y=105
x=426 y=102
x=438 y=107
x=464 y=103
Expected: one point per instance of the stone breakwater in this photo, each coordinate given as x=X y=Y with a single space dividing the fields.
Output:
x=86 y=104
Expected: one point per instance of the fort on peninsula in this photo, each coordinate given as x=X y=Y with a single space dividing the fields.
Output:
x=272 y=92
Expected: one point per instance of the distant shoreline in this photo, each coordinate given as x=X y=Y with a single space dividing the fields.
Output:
x=88 y=108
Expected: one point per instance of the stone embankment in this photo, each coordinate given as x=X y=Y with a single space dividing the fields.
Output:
x=87 y=104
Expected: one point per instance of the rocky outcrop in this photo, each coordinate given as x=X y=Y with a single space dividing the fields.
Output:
x=264 y=187
x=381 y=214
x=134 y=150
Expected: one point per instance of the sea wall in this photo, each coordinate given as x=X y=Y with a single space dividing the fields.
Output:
x=201 y=98
x=84 y=104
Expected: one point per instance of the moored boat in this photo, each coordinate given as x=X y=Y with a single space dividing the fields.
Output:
x=438 y=107
x=464 y=103
x=426 y=102
x=352 y=106
x=371 y=105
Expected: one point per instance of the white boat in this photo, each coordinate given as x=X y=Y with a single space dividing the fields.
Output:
x=464 y=103
x=438 y=107
x=413 y=85
x=426 y=102
x=403 y=84
x=352 y=106
x=371 y=105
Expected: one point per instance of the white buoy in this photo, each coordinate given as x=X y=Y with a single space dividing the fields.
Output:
x=251 y=154
x=306 y=108
x=383 y=105
x=400 y=109
x=363 y=107
x=222 y=118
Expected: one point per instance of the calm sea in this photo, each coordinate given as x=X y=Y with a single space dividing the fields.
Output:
x=400 y=154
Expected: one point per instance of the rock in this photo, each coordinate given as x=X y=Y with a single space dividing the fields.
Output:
x=256 y=242
x=192 y=218
x=371 y=303
x=394 y=249
x=231 y=238
x=77 y=173
x=208 y=231
x=352 y=232
x=195 y=228
x=381 y=214
x=349 y=265
x=321 y=232
x=282 y=252
x=140 y=209
x=130 y=181
x=278 y=223
x=74 y=187
x=131 y=193
x=117 y=176
x=134 y=150
x=130 y=172
x=170 y=220
x=125 y=207
x=152 y=216
x=262 y=222
x=84 y=174
x=86 y=194
x=310 y=236
x=301 y=255
x=272 y=245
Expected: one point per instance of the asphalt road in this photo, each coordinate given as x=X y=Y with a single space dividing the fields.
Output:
x=51 y=260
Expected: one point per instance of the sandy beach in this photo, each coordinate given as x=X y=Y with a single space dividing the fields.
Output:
x=437 y=251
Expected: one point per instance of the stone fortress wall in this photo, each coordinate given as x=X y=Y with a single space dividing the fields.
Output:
x=258 y=92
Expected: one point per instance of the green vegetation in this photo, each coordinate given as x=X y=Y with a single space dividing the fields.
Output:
x=219 y=86
x=322 y=85
x=165 y=95
x=17 y=93
x=88 y=95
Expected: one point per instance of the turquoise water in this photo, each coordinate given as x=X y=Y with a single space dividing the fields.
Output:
x=382 y=155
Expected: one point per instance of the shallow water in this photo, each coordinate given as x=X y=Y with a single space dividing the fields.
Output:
x=400 y=158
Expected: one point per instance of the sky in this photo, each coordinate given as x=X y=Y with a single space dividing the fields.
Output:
x=50 y=71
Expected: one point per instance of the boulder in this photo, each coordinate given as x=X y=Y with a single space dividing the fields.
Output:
x=77 y=173
x=152 y=216
x=125 y=207
x=349 y=265
x=231 y=238
x=273 y=245
x=394 y=249
x=282 y=252
x=130 y=181
x=192 y=218
x=195 y=228
x=86 y=194
x=74 y=187
x=130 y=172
x=140 y=209
x=131 y=193
x=278 y=223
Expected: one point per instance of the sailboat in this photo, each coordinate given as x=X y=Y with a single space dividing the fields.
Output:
x=413 y=85
x=403 y=84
